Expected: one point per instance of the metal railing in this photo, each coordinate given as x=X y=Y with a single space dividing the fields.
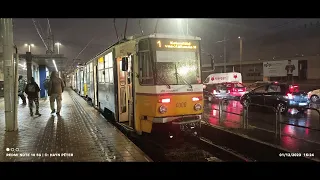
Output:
x=221 y=110
x=307 y=127
x=277 y=127
x=278 y=116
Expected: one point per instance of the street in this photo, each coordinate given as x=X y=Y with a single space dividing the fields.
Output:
x=293 y=137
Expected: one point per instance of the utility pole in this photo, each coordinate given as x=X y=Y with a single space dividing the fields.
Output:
x=29 y=65
x=240 y=53
x=225 y=54
x=9 y=72
x=187 y=26
x=49 y=39
x=16 y=86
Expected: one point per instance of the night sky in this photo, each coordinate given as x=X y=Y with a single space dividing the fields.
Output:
x=74 y=34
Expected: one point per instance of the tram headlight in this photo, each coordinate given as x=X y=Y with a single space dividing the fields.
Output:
x=197 y=107
x=162 y=109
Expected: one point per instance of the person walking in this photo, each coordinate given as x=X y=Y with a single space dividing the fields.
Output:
x=21 y=88
x=32 y=90
x=46 y=85
x=55 y=90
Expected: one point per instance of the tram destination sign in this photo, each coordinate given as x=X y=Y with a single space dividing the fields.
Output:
x=175 y=44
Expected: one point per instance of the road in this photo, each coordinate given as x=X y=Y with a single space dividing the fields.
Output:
x=264 y=119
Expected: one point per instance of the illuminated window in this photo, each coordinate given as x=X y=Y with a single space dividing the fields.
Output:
x=88 y=74
x=91 y=67
x=111 y=75
x=100 y=63
x=106 y=75
x=109 y=67
x=101 y=76
x=145 y=64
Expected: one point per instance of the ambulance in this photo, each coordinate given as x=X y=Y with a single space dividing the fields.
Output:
x=232 y=81
x=223 y=77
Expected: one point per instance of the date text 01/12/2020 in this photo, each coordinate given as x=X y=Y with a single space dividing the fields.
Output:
x=296 y=154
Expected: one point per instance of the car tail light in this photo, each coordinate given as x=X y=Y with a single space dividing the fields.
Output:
x=165 y=100
x=289 y=96
x=196 y=98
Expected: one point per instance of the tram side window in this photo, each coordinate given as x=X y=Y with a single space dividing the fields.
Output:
x=109 y=67
x=145 y=69
x=101 y=76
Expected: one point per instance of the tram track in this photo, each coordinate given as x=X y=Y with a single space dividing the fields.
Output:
x=182 y=148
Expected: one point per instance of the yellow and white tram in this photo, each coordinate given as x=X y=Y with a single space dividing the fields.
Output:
x=147 y=81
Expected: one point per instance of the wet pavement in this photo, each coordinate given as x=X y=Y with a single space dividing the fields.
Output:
x=80 y=134
x=262 y=126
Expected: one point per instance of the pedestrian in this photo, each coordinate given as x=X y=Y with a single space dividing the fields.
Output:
x=21 y=88
x=55 y=90
x=46 y=85
x=32 y=90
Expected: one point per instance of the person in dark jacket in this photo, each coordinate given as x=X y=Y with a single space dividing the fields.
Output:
x=32 y=90
x=21 y=88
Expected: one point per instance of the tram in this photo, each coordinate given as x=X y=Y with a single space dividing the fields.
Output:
x=146 y=82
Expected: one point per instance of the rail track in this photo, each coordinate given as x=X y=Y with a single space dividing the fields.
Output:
x=183 y=148
x=186 y=148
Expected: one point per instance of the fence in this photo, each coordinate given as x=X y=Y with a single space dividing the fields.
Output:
x=278 y=116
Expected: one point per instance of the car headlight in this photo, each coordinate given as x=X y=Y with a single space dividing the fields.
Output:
x=197 y=107
x=162 y=109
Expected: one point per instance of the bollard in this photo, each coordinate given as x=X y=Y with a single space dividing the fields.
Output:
x=244 y=117
x=276 y=124
x=220 y=111
x=247 y=117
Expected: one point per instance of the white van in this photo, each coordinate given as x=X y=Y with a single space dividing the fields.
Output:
x=223 y=77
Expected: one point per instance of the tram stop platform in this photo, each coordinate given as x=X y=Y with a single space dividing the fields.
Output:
x=80 y=134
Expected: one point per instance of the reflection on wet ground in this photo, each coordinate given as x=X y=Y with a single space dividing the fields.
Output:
x=262 y=120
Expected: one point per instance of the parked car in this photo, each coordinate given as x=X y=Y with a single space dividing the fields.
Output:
x=314 y=95
x=235 y=89
x=257 y=84
x=278 y=95
x=215 y=91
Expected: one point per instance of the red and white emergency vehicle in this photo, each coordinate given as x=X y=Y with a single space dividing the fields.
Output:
x=232 y=80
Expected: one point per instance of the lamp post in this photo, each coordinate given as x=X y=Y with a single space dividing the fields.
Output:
x=29 y=46
x=240 y=59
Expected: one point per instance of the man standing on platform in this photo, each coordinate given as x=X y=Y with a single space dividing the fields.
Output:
x=55 y=90
x=21 y=88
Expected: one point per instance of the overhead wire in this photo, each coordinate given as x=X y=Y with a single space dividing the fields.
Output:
x=35 y=25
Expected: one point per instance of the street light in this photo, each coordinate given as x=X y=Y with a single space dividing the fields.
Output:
x=29 y=45
x=58 y=44
x=240 y=52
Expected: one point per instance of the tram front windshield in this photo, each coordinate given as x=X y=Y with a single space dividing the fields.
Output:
x=177 y=67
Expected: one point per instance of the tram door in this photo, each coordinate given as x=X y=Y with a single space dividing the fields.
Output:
x=125 y=98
